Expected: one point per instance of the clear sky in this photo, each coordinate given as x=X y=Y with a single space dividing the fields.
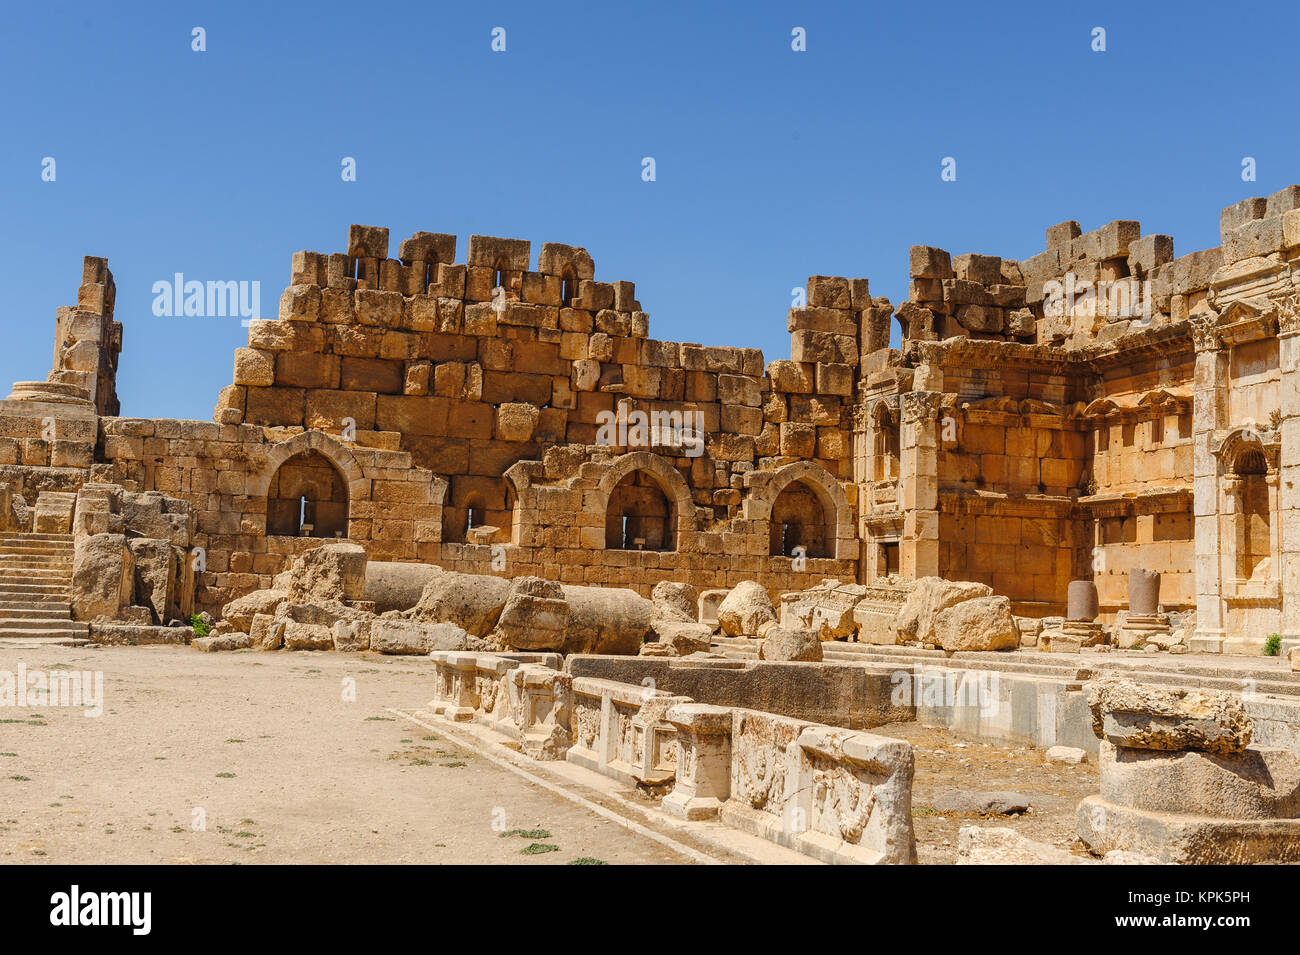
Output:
x=771 y=164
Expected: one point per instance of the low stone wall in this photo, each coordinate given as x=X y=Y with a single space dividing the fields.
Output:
x=619 y=730
x=833 y=794
x=839 y=694
x=522 y=695
x=997 y=705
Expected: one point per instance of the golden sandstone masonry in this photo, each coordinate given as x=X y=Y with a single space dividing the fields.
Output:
x=1099 y=407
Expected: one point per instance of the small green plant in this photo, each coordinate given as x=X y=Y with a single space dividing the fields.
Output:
x=527 y=834
x=1273 y=645
x=587 y=860
x=537 y=848
x=225 y=775
x=199 y=625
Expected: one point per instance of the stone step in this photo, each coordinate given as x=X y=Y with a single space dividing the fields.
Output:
x=41 y=591
x=41 y=573
x=47 y=611
x=29 y=642
x=39 y=623
x=76 y=630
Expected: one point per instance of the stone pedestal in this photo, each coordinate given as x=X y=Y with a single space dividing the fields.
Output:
x=1138 y=630
x=703 y=781
x=1144 y=623
x=1088 y=633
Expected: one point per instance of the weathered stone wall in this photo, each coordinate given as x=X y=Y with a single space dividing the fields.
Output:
x=455 y=413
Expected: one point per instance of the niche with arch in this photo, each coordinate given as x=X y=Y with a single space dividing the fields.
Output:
x=800 y=518
x=639 y=515
x=307 y=497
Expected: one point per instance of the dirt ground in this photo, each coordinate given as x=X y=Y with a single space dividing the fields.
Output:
x=947 y=762
x=243 y=757
x=257 y=758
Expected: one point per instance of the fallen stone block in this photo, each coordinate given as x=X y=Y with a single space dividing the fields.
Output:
x=999 y=803
x=928 y=598
x=826 y=610
x=746 y=610
x=675 y=601
x=535 y=616
x=784 y=645
x=1142 y=716
x=225 y=641
x=1069 y=755
x=334 y=571
x=133 y=635
x=241 y=611
x=710 y=600
x=982 y=623
x=306 y=636
x=267 y=632
x=389 y=635
x=677 y=638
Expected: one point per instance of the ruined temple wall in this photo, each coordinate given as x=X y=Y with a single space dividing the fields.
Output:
x=395 y=512
x=442 y=354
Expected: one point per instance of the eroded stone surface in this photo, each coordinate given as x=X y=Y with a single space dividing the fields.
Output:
x=1143 y=716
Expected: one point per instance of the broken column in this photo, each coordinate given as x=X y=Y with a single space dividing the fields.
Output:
x=1144 y=624
x=1080 y=628
x=1181 y=783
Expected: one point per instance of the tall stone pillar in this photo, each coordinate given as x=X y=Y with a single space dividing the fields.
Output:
x=1288 y=488
x=1209 y=413
x=919 y=484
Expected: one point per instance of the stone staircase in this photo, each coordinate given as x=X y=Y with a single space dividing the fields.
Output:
x=1267 y=675
x=36 y=589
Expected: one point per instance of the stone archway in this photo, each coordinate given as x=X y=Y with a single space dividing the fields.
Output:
x=307 y=480
x=832 y=512
x=799 y=520
x=645 y=499
x=307 y=497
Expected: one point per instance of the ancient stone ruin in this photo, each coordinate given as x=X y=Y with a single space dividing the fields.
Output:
x=1043 y=471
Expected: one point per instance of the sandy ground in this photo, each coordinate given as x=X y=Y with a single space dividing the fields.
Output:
x=263 y=750
x=946 y=762
x=248 y=757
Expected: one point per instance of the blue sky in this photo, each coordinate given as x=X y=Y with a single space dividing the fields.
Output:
x=771 y=164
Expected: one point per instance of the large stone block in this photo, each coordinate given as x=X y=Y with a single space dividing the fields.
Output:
x=334 y=571
x=103 y=577
x=984 y=623
x=1141 y=716
x=746 y=611
x=927 y=599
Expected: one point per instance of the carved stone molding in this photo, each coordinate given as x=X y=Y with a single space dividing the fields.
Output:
x=1205 y=333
